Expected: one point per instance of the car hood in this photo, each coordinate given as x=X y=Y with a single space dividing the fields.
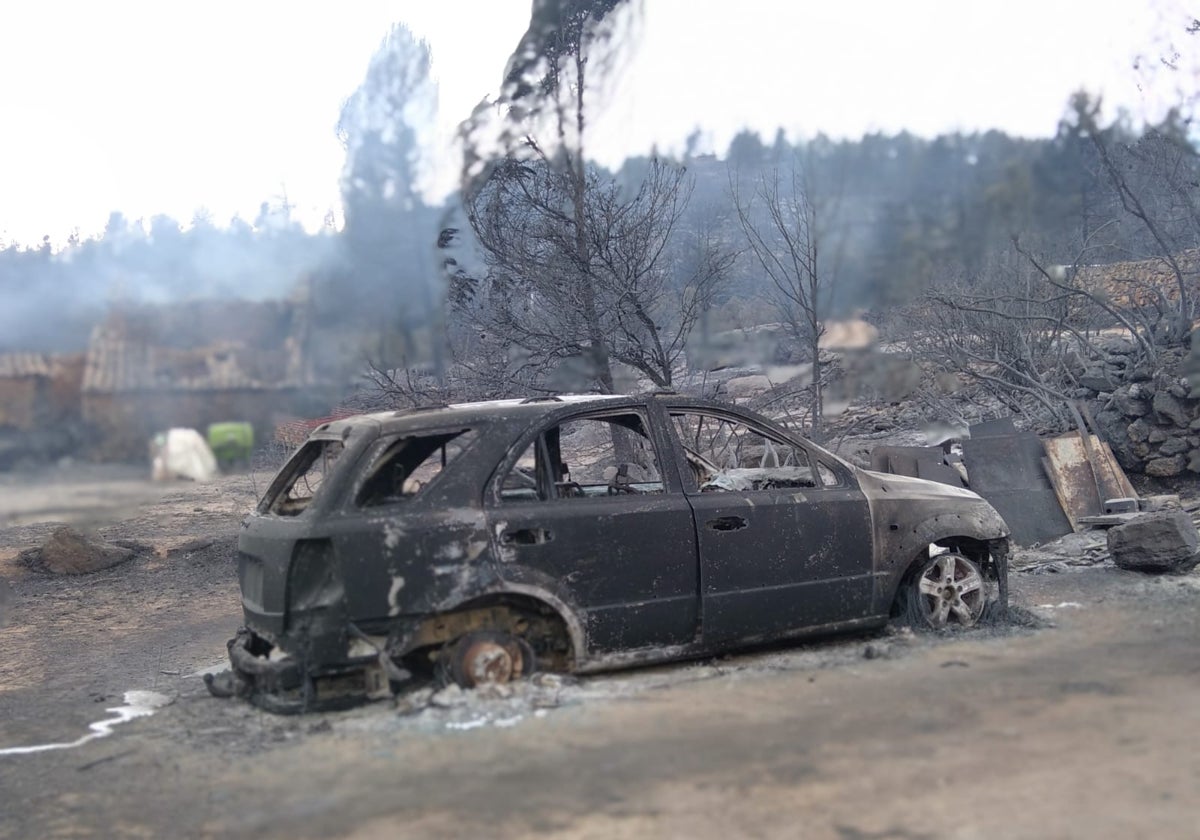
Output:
x=877 y=485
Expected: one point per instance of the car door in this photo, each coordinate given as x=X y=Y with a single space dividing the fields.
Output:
x=586 y=511
x=784 y=533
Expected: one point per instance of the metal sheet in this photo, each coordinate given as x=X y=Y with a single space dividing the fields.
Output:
x=1002 y=427
x=1033 y=515
x=939 y=473
x=1005 y=463
x=904 y=460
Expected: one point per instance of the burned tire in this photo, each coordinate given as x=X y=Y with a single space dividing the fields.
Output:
x=487 y=658
x=946 y=590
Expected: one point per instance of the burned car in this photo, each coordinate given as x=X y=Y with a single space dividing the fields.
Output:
x=479 y=542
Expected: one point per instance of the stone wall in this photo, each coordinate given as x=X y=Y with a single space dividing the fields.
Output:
x=1148 y=414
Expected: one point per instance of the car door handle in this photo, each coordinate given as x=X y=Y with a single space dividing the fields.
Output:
x=526 y=536
x=727 y=523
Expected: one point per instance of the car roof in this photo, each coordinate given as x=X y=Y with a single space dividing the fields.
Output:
x=469 y=413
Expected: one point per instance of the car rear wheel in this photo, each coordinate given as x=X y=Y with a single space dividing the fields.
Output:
x=488 y=658
x=946 y=590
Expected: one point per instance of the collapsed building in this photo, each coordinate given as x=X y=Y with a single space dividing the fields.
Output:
x=39 y=406
x=195 y=364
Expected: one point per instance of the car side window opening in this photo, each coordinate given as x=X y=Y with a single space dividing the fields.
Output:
x=727 y=455
x=586 y=457
x=311 y=464
x=828 y=477
x=408 y=464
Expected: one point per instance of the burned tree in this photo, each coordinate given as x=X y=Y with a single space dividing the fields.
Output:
x=581 y=269
x=594 y=285
x=786 y=230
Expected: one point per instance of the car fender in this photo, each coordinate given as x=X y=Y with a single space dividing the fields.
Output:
x=536 y=588
x=569 y=615
x=899 y=550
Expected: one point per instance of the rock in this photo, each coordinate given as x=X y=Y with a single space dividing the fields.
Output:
x=1165 y=501
x=1125 y=401
x=1165 y=467
x=1142 y=372
x=1140 y=451
x=747 y=386
x=1195 y=425
x=1155 y=542
x=1114 y=344
x=1138 y=431
x=449 y=697
x=1157 y=435
x=413 y=701
x=1173 y=446
x=1169 y=407
x=875 y=650
x=1113 y=427
x=68 y=552
x=1193 y=464
x=1096 y=378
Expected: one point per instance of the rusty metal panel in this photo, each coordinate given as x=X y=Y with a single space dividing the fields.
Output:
x=1080 y=491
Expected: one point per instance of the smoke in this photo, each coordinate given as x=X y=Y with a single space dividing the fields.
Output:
x=52 y=298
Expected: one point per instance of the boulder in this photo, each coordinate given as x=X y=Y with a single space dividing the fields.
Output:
x=1164 y=541
x=68 y=552
x=1113 y=427
x=1138 y=431
x=1142 y=372
x=1127 y=401
x=1193 y=464
x=1096 y=378
x=743 y=387
x=1169 y=407
x=1165 y=467
x=1164 y=501
x=1174 y=446
x=1115 y=344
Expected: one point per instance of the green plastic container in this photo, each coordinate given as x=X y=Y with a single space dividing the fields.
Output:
x=231 y=442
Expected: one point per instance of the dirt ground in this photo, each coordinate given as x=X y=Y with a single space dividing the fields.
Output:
x=1088 y=726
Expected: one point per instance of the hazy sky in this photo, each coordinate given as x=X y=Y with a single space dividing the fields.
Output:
x=164 y=107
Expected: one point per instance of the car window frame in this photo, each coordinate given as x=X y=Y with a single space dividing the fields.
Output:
x=766 y=429
x=378 y=449
x=664 y=454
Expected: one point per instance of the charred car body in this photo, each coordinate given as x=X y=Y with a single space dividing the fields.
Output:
x=485 y=540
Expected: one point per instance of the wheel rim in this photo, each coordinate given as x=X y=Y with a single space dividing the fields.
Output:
x=486 y=661
x=951 y=591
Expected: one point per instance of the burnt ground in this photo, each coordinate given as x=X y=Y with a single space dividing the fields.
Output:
x=1088 y=726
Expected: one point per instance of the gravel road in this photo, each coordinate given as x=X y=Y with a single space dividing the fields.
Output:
x=1087 y=726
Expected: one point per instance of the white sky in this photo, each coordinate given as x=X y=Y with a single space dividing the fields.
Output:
x=164 y=107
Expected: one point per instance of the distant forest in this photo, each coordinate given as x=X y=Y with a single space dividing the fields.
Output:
x=897 y=213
